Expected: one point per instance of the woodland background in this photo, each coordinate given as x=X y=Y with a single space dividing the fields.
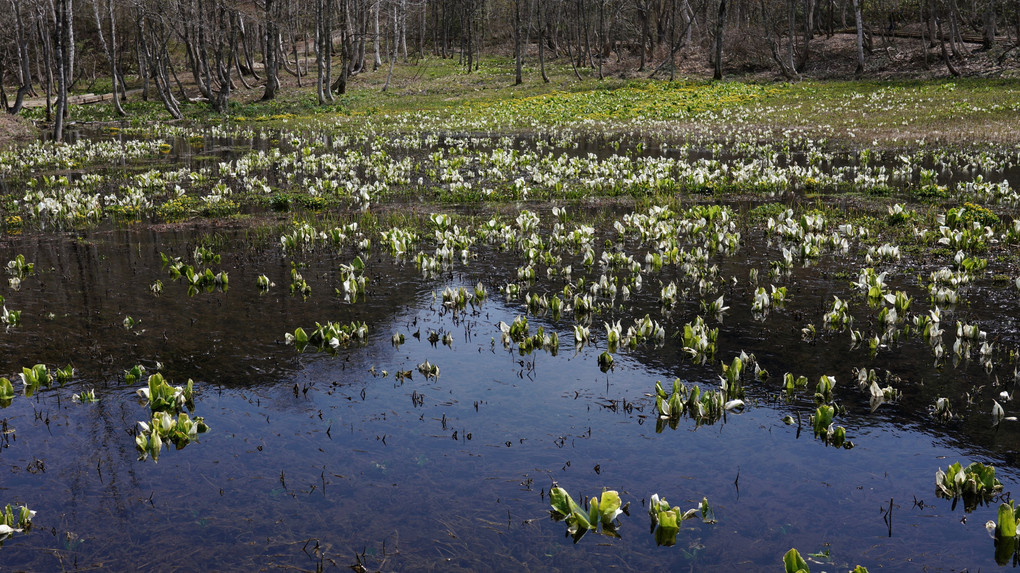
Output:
x=207 y=50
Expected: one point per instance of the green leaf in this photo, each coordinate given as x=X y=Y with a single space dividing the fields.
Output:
x=707 y=513
x=581 y=520
x=669 y=519
x=594 y=515
x=609 y=507
x=822 y=419
x=794 y=562
x=134 y=375
x=605 y=361
x=560 y=501
x=65 y=374
x=6 y=389
x=300 y=336
x=42 y=374
x=1006 y=526
x=676 y=405
x=953 y=470
x=665 y=532
x=839 y=436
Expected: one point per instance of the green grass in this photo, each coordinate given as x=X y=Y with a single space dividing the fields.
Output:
x=634 y=100
x=968 y=110
x=890 y=113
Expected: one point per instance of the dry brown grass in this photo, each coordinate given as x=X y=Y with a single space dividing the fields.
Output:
x=13 y=128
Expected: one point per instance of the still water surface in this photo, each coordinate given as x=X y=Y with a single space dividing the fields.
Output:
x=317 y=460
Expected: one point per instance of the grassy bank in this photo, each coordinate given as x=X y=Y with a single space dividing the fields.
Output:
x=971 y=111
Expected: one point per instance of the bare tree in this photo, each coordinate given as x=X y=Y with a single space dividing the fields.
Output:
x=942 y=47
x=62 y=24
x=377 y=60
x=809 y=32
x=393 y=50
x=989 y=23
x=785 y=64
x=24 y=67
x=152 y=44
x=518 y=56
x=858 y=18
x=270 y=43
x=109 y=49
x=541 y=42
x=720 y=23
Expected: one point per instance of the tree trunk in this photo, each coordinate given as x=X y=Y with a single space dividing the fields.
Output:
x=809 y=32
x=678 y=41
x=860 y=37
x=954 y=29
x=923 y=27
x=45 y=39
x=421 y=29
x=238 y=58
x=393 y=55
x=945 y=52
x=270 y=42
x=327 y=47
x=25 y=70
x=320 y=58
x=720 y=21
x=69 y=47
x=469 y=24
x=788 y=72
x=403 y=29
x=143 y=62
x=445 y=18
x=687 y=16
x=645 y=14
x=517 y=43
x=224 y=43
x=347 y=50
x=247 y=50
x=61 y=55
x=541 y=42
x=357 y=62
x=109 y=50
x=790 y=31
x=603 y=53
x=573 y=66
x=377 y=60
x=988 y=25
x=153 y=51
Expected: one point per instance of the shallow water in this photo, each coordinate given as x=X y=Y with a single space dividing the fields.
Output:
x=315 y=459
